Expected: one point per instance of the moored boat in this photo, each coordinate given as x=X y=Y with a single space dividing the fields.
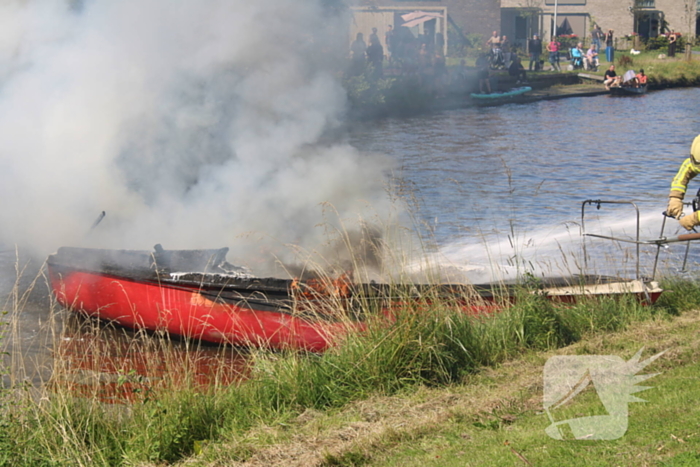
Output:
x=198 y=295
x=503 y=95
x=628 y=90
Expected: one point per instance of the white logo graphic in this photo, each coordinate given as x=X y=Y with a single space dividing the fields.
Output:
x=613 y=380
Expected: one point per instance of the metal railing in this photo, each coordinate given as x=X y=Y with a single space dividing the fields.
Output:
x=660 y=242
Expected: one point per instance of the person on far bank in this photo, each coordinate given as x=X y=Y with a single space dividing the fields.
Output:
x=553 y=49
x=535 y=50
x=610 y=78
x=591 y=58
x=482 y=66
x=358 y=48
x=596 y=36
x=641 y=78
x=506 y=49
x=494 y=41
x=375 y=56
x=610 y=46
x=672 y=39
x=688 y=170
x=389 y=40
x=517 y=70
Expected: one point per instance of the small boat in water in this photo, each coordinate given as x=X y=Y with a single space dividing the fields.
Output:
x=197 y=294
x=503 y=95
x=628 y=90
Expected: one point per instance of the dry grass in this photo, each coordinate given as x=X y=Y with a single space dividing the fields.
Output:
x=367 y=430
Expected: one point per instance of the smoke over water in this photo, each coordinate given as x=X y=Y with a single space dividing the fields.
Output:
x=192 y=124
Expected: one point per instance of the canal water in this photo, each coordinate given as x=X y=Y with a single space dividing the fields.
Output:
x=504 y=185
x=493 y=191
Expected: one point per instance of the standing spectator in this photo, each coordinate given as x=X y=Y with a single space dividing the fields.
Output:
x=505 y=46
x=596 y=36
x=388 y=41
x=423 y=57
x=440 y=42
x=672 y=38
x=375 y=55
x=517 y=70
x=553 y=49
x=458 y=78
x=357 y=51
x=482 y=65
x=535 y=50
x=494 y=43
x=373 y=36
x=439 y=73
x=610 y=46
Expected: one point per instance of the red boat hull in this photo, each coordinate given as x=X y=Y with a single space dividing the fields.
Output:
x=144 y=290
x=186 y=312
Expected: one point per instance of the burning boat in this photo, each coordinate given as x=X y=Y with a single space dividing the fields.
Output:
x=198 y=295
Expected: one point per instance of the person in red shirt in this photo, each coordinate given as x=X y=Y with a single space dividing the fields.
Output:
x=553 y=49
x=641 y=78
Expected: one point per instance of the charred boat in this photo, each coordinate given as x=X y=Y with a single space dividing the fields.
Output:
x=197 y=294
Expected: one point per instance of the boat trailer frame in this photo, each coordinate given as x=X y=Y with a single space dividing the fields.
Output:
x=662 y=241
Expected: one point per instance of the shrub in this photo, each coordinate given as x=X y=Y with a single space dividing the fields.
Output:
x=625 y=61
x=365 y=90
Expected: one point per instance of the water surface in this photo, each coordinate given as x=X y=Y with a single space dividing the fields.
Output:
x=499 y=189
x=523 y=170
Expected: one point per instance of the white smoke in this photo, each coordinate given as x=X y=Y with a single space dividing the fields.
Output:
x=192 y=124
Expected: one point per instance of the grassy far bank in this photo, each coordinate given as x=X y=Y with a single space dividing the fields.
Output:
x=666 y=72
x=411 y=93
x=662 y=72
x=269 y=416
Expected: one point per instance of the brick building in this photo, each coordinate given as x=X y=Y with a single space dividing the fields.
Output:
x=452 y=18
x=648 y=18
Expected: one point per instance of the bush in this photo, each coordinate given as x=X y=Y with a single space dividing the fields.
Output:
x=365 y=90
x=655 y=43
x=661 y=42
x=625 y=61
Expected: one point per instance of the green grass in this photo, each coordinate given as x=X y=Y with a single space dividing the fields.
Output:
x=662 y=431
x=429 y=345
x=661 y=72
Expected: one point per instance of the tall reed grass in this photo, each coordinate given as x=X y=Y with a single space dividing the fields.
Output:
x=170 y=416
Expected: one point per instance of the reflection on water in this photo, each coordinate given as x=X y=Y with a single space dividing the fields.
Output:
x=115 y=365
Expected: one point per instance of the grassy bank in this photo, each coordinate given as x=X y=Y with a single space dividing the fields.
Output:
x=174 y=420
x=398 y=95
x=662 y=72
x=496 y=418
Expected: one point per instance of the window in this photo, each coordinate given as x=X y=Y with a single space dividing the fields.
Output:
x=645 y=3
x=565 y=2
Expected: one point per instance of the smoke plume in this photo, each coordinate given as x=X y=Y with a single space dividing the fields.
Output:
x=192 y=124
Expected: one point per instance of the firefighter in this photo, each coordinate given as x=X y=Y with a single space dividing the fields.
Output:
x=688 y=170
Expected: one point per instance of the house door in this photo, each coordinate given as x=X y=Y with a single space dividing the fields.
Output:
x=521 y=32
x=648 y=23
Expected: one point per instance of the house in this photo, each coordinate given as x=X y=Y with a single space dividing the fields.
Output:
x=453 y=19
x=647 y=18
